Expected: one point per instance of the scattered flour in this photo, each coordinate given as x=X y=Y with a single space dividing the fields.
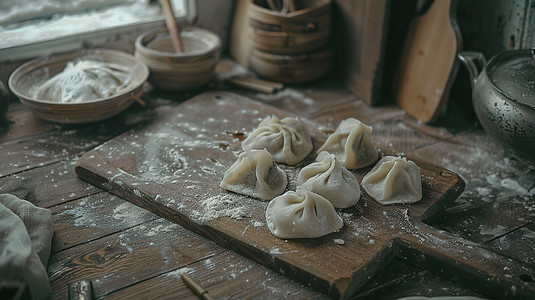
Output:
x=496 y=231
x=238 y=70
x=178 y=272
x=484 y=191
x=162 y=228
x=512 y=184
x=83 y=213
x=222 y=205
x=339 y=241
x=276 y=251
x=288 y=93
x=258 y=224
x=127 y=247
x=129 y=213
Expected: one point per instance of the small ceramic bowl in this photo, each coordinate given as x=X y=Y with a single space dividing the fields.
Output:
x=41 y=69
x=179 y=71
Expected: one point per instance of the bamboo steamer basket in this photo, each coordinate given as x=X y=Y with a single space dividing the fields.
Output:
x=179 y=71
x=292 y=68
x=39 y=70
x=303 y=30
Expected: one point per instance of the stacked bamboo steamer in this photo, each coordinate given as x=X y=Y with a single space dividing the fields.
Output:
x=290 y=46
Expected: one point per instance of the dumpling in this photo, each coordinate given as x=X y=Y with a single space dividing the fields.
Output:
x=255 y=174
x=287 y=140
x=328 y=178
x=352 y=144
x=301 y=214
x=394 y=180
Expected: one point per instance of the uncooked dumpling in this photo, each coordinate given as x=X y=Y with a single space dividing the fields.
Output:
x=301 y=214
x=352 y=144
x=255 y=174
x=394 y=180
x=287 y=140
x=328 y=178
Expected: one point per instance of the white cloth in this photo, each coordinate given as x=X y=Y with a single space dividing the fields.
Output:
x=25 y=241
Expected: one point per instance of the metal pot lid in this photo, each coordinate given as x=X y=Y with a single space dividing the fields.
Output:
x=513 y=73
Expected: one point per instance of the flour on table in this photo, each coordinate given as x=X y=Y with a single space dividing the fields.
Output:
x=178 y=272
x=288 y=93
x=162 y=228
x=494 y=231
x=339 y=241
x=129 y=213
x=222 y=205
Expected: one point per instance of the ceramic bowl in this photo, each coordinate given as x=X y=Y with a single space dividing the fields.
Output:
x=179 y=71
x=41 y=69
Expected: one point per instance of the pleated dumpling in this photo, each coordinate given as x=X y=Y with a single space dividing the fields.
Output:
x=328 y=178
x=352 y=144
x=394 y=180
x=255 y=174
x=301 y=214
x=287 y=140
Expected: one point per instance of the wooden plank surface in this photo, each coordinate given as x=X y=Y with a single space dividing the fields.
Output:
x=174 y=165
x=477 y=215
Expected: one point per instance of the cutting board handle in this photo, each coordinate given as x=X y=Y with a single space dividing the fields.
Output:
x=429 y=62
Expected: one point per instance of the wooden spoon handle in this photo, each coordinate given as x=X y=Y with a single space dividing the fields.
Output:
x=172 y=26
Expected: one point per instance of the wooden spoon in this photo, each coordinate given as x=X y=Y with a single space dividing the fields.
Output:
x=172 y=26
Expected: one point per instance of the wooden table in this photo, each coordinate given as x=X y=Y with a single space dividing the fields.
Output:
x=128 y=252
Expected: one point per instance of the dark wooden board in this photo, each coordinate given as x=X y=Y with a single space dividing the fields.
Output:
x=368 y=35
x=173 y=165
x=364 y=24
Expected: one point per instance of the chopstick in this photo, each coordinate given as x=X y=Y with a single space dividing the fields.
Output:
x=286 y=6
x=289 y=6
x=172 y=26
x=255 y=84
x=276 y=6
x=196 y=287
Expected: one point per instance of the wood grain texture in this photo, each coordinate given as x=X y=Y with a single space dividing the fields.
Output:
x=119 y=260
x=48 y=185
x=207 y=142
x=91 y=218
x=429 y=63
x=24 y=121
x=238 y=279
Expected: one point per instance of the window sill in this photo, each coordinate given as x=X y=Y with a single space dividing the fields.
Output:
x=74 y=32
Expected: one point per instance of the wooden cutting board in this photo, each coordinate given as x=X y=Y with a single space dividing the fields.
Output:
x=428 y=64
x=173 y=167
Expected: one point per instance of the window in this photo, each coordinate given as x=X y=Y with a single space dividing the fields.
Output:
x=30 y=28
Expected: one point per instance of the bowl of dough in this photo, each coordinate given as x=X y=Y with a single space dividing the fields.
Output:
x=81 y=87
